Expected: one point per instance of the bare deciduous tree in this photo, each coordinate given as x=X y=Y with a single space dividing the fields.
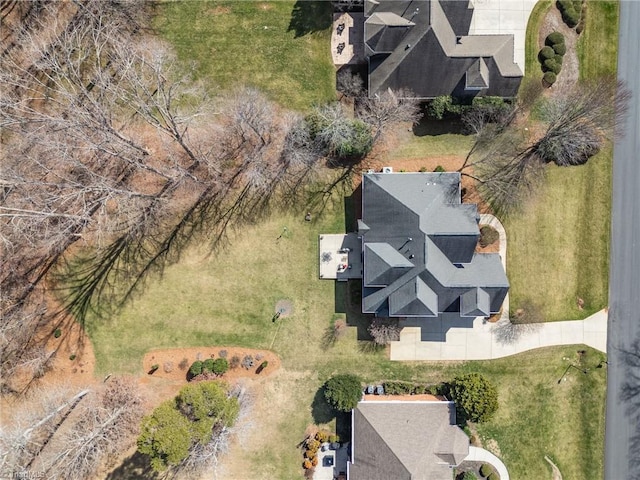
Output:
x=103 y=426
x=389 y=108
x=578 y=122
x=384 y=331
x=349 y=83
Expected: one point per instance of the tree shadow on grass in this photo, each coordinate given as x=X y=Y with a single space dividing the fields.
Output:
x=320 y=409
x=310 y=16
x=134 y=467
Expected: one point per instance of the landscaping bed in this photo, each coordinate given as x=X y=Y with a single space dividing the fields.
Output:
x=174 y=363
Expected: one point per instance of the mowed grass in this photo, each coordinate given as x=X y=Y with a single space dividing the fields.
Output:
x=229 y=299
x=533 y=72
x=598 y=44
x=559 y=245
x=281 y=48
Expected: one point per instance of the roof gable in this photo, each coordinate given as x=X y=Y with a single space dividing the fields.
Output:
x=383 y=264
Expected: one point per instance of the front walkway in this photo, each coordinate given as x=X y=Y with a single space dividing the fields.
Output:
x=481 y=455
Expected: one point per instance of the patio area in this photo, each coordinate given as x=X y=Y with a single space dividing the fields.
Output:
x=340 y=257
x=332 y=464
x=347 y=38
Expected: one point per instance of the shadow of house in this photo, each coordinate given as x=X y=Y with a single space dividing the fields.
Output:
x=309 y=17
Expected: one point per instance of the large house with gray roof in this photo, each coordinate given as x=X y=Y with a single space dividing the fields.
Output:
x=418 y=245
x=424 y=46
x=405 y=441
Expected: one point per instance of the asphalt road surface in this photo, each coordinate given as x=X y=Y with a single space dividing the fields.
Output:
x=622 y=436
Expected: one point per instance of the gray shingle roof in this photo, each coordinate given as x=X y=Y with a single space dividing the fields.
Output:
x=406 y=440
x=383 y=264
x=431 y=53
x=419 y=249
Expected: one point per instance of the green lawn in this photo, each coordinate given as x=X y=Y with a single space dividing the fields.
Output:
x=533 y=73
x=559 y=246
x=229 y=298
x=280 y=47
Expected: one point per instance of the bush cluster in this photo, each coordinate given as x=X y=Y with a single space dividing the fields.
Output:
x=551 y=56
x=311 y=446
x=216 y=367
x=570 y=11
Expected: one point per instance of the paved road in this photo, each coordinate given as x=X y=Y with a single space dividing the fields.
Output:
x=622 y=437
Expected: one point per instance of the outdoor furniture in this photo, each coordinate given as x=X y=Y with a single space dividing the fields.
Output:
x=341 y=46
x=340 y=29
x=327 y=461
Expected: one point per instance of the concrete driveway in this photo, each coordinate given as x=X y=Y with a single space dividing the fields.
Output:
x=492 y=17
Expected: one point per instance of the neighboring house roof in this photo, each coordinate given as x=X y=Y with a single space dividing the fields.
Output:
x=418 y=244
x=424 y=46
x=405 y=440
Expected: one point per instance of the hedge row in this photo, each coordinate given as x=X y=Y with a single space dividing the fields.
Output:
x=396 y=387
x=448 y=106
x=551 y=56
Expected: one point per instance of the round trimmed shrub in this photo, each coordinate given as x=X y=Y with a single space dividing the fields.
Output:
x=549 y=78
x=486 y=470
x=475 y=397
x=439 y=169
x=550 y=65
x=571 y=17
x=220 y=366
x=57 y=333
x=493 y=476
x=559 y=48
x=343 y=392
x=558 y=59
x=468 y=476
x=554 y=38
x=196 y=368
x=207 y=365
x=546 y=53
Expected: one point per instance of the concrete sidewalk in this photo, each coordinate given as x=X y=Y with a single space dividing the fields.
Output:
x=481 y=455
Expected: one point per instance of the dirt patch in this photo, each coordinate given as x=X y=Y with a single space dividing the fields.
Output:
x=284 y=308
x=265 y=6
x=174 y=363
